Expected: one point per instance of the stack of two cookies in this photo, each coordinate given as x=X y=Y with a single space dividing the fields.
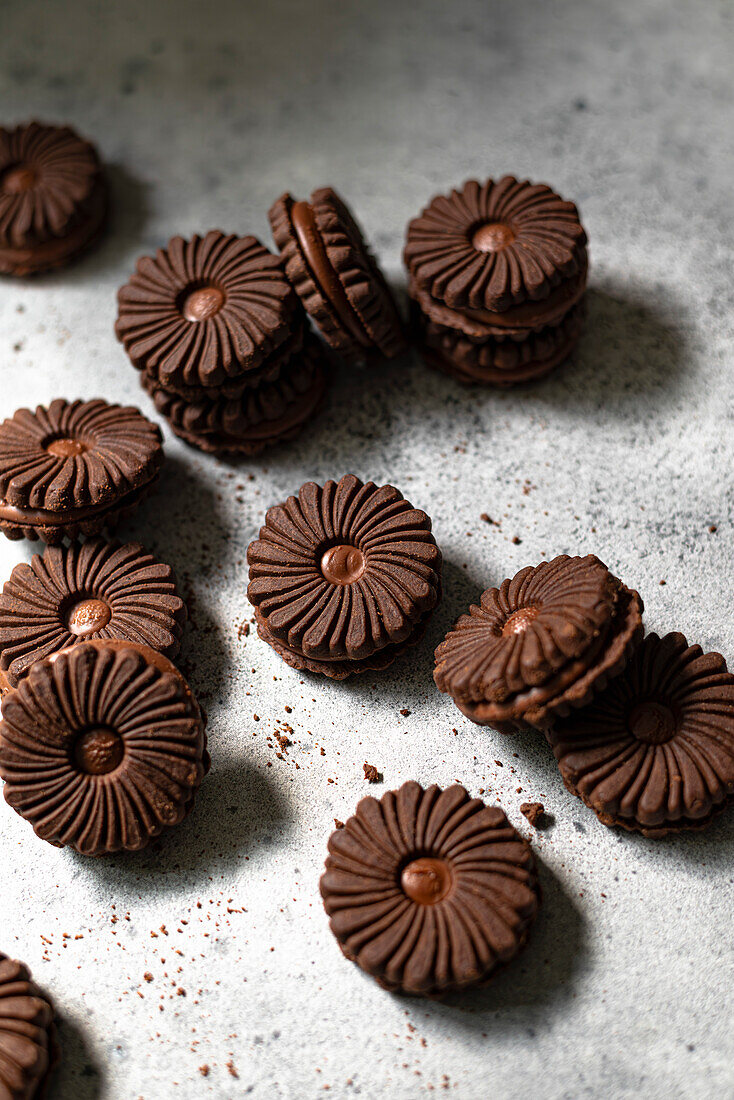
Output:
x=497 y=274
x=216 y=327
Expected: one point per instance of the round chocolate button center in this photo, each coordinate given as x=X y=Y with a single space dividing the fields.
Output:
x=66 y=448
x=652 y=722
x=98 y=752
x=343 y=564
x=492 y=237
x=520 y=620
x=426 y=880
x=87 y=617
x=17 y=179
x=202 y=303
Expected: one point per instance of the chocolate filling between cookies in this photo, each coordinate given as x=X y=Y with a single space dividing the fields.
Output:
x=323 y=272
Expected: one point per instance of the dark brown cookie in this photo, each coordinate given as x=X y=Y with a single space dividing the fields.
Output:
x=96 y=589
x=74 y=468
x=273 y=413
x=336 y=276
x=540 y=644
x=655 y=752
x=28 y=1046
x=429 y=891
x=53 y=197
x=505 y=362
x=205 y=311
x=343 y=574
x=102 y=747
x=494 y=245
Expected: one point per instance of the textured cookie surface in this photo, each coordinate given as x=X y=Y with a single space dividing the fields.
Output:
x=655 y=752
x=344 y=570
x=495 y=244
x=52 y=197
x=27 y=1034
x=102 y=746
x=96 y=589
x=429 y=890
x=205 y=310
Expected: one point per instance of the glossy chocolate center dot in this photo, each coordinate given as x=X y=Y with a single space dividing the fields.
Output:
x=98 y=752
x=87 y=617
x=17 y=179
x=201 y=303
x=343 y=564
x=426 y=880
x=652 y=722
x=492 y=237
x=520 y=620
x=66 y=448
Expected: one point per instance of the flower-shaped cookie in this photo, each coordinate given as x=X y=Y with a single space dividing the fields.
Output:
x=429 y=891
x=655 y=752
x=205 y=310
x=74 y=467
x=343 y=574
x=52 y=197
x=494 y=245
x=28 y=1049
x=96 y=589
x=102 y=746
x=539 y=644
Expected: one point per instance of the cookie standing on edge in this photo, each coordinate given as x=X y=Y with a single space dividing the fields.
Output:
x=96 y=589
x=102 y=747
x=28 y=1047
x=429 y=891
x=336 y=276
x=343 y=577
x=53 y=197
x=541 y=644
x=497 y=275
x=655 y=752
x=74 y=468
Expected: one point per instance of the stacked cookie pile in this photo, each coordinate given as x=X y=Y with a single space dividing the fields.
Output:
x=217 y=333
x=497 y=273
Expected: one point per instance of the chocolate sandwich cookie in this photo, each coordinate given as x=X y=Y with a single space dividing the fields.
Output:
x=96 y=589
x=655 y=752
x=74 y=468
x=336 y=276
x=271 y=413
x=102 y=747
x=428 y=890
x=28 y=1046
x=53 y=197
x=344 y=577
x=500 y=362
x=541 y=644
x=502 y=259
x=206 y=312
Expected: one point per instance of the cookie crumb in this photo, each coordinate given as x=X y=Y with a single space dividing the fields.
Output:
x=338 y=824
x=533 y=811
x=204 y=1070
x=405 y=712
x=516 y=541
x=371 y=774
x=713 y=529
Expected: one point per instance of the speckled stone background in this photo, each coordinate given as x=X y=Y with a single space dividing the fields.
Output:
x=205 y=113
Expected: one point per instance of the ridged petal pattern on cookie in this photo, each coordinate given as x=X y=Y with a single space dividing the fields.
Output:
x=527 y=629
x=94 y=589
x=100 y=749
x=76 y=453
x=47 y=177
x=429 y=890
x=393 y=554
x=496 y=244
x=27 y=1043
x=656 y=751
x=205 y=310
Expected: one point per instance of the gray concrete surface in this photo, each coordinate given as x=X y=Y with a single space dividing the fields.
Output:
x=205 y=113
